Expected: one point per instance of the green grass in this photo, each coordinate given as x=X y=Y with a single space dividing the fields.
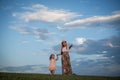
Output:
x=27 y=76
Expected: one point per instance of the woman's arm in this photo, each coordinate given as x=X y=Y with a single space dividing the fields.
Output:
x=58 y=54
x=70 y=46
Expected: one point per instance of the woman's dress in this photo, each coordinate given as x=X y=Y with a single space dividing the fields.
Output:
x=66 y=65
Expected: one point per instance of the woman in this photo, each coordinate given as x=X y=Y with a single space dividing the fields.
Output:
x=65 y=59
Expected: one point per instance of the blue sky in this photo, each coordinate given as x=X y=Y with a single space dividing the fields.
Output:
x=33 y=29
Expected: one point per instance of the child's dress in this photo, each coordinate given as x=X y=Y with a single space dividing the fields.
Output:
x=52 y=65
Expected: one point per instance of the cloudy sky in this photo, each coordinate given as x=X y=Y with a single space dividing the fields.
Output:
x=33 y=29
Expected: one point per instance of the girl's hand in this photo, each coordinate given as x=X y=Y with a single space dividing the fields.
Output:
x=57 y=57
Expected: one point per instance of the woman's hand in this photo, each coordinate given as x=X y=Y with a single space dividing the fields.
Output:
x=58 y=54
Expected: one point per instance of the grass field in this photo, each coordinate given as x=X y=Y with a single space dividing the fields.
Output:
x=27 y=76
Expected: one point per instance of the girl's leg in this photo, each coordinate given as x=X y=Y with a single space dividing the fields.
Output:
x=52 y=72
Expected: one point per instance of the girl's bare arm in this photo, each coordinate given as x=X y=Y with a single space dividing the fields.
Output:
x=56 y=57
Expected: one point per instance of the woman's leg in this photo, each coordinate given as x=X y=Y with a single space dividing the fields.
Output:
x=69 y=69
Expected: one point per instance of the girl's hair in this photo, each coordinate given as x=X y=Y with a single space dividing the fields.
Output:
x=51 y=56
x=63 y=46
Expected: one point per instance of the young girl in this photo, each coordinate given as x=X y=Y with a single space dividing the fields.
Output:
x=52 y=65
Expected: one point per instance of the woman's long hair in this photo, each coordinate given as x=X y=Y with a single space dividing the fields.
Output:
x=63 y=46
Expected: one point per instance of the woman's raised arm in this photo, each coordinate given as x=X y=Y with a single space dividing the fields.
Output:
x=70 y=46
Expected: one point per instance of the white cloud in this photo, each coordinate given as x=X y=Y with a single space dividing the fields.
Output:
x=78 y=49
x=94 y=19
x=64 y=28
x=60 y=28
x=101 y=66
x=42 y=13
x=14 y=14
x=104 y=51
x=80 y=40
x=35 y=7
x=39 y=69
x=112 y=56
x=21 y=28
x=27 y=69
x=39 y=33
x=101 y=56
x=111 y=45
x=93 y=57
x=41 y=54
x=24 y=42
x=79 y=45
